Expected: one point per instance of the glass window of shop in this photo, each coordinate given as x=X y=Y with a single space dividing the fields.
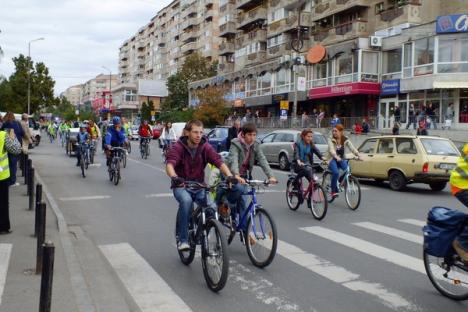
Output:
x=283 y=78
x=320 y=75
x=424 y=56
x=344 y=68
x=446 y=99
x=463 y=106
x=433 y=102
x=417 y=100
x=251 y=86
x=265 y=84
x=391 y=64
x=408 y=60
x=403 y=104
x=453 y=55
x=370 y=66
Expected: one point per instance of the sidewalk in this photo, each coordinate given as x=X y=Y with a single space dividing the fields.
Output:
x=22 y=289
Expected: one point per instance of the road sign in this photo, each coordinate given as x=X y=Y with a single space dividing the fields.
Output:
x=284 y=114
x=301 y=83
x=153 y=113
x=284 y=105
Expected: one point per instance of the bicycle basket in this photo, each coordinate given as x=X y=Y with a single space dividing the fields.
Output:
x=443 y=226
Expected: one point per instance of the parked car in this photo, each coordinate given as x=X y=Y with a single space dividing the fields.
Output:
x=278 y=146
x=405 y=159
x=178 y=128
x=134 y=132
x=70 y=147
x=218 y=138
x=36 y=132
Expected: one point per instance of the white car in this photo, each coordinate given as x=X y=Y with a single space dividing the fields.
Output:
x=134 y=132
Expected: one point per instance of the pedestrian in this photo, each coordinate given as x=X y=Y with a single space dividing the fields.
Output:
x=450 y=112
x=357 y=128
x=422 y=128
x=11 y=123
x=304 y=119
x=431 y=114
x=397 y=113
x=335 y=121
x=8 y=145
x=27 y=138
x=365 y=127
x=320 y=117
x=233 y=132
x=411 y=117
x=396 y=128
x=248 y=115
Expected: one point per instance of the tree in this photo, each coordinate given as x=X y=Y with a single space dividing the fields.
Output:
x=195 y=67
x=213 y=108
x=145 y=111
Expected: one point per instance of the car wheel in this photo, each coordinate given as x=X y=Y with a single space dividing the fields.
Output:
x=397 y=180
x=438 y=186
x=283 y=162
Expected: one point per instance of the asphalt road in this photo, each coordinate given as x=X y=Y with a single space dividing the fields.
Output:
x=346 y=262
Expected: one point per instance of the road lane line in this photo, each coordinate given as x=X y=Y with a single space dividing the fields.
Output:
x=413 y=222
x=343 y=277
x=148 y=289
x=418 y=239
x=5 y=252
x=84 y=198
x=159 y=195
x=147 y=165
x=371 y=249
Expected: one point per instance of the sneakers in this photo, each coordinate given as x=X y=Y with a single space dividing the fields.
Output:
x=333 y=195
x=16 y=184
x=460 y=251
x=183 y=246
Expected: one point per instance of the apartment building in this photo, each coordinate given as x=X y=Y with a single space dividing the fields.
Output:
x=73 y=94
x=159 y=48
x=98 y=90
x=359 y=51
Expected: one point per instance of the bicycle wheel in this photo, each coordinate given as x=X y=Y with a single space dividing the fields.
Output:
x=450 y=279
x=111 y=171
x=124 y=160
x=352 y=193
x=146 y=151
x=292 y=196
x=129 y=147
x=261 y=239
x=326 y=185
x=186 y=256
x=317 y=202
x=82 y=165
x=215 y=260
x=116 y=172
x=142 y=151
x=86 y=160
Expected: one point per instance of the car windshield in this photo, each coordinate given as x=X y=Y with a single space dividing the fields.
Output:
x=439 y=147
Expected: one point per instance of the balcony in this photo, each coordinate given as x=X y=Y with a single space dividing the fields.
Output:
x=321 y=7
x=209 y=14
x=248 y=4
x=230 y=6
x=188 y=47
x=336 y=6
x=289 y=24
x=189 y=35
x=226 y=48
x=228 y=29
x=279 y=50
x=352 y=29
x=226 y=67
x=255 y=58
x=247 y=19
x=410 y=13
x=255 y=35
x=321 y=35
x=190 y=22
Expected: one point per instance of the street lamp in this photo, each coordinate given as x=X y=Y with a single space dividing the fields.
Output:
x=29 y=74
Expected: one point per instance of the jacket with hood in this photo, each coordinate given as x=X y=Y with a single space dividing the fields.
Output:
x=192 y=168
x=349 y=147
x=237 y=156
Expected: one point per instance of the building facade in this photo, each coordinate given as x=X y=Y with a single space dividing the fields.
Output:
x=73 y=94
x=340 y=52
x=98 y=88
x=159 y=48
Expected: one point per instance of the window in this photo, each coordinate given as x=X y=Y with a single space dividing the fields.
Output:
x=439 y=147
x=277 y=15
x=284 y=137
x=391 y=62
x=408 y=60
x=368 y=147
x=405 y=146
x=265 y=83
x=269 y=138
x=423 y=56
x=320 y=139
x=275 y=41
x=379 y=7
x=385 y=146
x=453 y=55
x=370 y=62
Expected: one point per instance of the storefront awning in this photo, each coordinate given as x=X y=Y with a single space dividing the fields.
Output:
x=450 y=84
x=345 y=89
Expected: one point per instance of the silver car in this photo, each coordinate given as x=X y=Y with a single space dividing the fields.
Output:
x=278 y=146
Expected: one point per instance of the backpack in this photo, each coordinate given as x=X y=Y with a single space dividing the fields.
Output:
x=443 y=226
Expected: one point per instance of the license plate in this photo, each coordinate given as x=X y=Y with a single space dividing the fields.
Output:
x=447 y=166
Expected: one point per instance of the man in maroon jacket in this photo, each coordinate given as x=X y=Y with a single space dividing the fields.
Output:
x=186 y=161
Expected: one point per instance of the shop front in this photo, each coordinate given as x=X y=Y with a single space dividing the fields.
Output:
x=389 y=103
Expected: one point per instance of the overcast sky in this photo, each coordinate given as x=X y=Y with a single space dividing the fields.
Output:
x=81 y=36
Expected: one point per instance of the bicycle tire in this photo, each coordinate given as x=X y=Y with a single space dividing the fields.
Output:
x=221 y=250
x=146 y=151
x=86 y=161
x=250 y=240
x=111 y=171
x=116 y=173
x=129 y=147
x=82 y=165
x=326 y=184
x=124 y=160
x=186 y=257
x=353 y=180
x=318 y=193
x=149 y=149
x=142 y=152
x=429 y=266
x=91 y=156
x=290 y=194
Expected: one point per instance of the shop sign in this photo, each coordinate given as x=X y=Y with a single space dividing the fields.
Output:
x=277 y=98
x=301 y=83
x=390 y=87
x=283 y=114
x=284 y=105
x=452 y=23
x=345 y=89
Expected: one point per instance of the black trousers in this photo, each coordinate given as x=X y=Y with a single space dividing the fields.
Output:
x=4 y=205
x=303 y=172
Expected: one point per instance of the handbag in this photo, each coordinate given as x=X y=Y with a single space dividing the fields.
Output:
x=12 y=146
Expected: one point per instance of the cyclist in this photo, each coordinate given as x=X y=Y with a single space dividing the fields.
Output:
x=243 y=152
x=115 y=137
x=459 y=184
x=186 y=161
x=81 y=138
x=93 y=130
x=144 y=131
x=168 y=134
x=126 y=127
x=303 y=157
x=338 y=144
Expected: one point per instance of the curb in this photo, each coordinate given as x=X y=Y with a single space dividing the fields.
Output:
x=80 y=289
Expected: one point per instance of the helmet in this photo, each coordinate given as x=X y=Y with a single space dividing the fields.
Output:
x=116 y=120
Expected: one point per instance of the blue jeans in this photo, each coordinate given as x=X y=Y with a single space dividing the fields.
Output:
x=13 y=165
x=186 y=198
x=463 y=237
x=335 y=167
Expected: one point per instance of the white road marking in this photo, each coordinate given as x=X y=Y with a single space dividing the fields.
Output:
x=147 y=165
x=148 y=289
x=159 y=195
x=84 y=198
x=418 y=239
x=371 y=249
x=5 y=252
x=344 y=277
x=95 y=165
x=413 y=222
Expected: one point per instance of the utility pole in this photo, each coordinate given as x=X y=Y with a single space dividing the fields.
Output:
x=29 y=74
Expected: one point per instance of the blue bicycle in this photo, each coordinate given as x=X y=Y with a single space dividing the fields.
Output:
x=255 y=226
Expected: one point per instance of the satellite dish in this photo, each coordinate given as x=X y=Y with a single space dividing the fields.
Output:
x=316 y=54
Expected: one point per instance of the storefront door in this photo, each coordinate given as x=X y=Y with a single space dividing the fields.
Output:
x=386 y=111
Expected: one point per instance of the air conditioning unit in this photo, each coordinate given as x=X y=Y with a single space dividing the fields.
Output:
x=375 y=41
x=285 y=58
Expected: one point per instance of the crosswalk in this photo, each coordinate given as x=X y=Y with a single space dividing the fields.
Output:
x=133 y=270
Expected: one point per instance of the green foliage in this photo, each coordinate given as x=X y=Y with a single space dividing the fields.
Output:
x=176 y=115
x=146 y=111
x=213 y=108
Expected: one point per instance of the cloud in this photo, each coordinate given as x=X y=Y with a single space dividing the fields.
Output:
x=81 y=36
